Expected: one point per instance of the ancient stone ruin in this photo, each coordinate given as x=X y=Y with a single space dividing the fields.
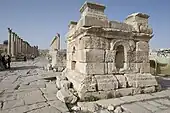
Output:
x=18 y=48
x=106 y=58
x=58 y=56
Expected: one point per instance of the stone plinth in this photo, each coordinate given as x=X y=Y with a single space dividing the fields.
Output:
x=106 y=58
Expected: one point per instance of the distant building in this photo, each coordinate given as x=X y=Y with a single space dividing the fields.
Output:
x=58 y=55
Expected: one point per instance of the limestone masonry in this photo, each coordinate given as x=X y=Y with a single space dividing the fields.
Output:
x=58 y=55
x=106 y=58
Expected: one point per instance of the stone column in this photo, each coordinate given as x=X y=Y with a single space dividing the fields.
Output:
x=58 y=42
x=21 y=46
x=29 y=52
x=26 y=48
x=9 y=41
x=37 y=51
x=13 y=45
x=16 y=44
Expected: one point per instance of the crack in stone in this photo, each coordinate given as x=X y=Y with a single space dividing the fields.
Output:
x=2 y=104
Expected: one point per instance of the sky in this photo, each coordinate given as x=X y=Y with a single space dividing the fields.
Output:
x=38 y=21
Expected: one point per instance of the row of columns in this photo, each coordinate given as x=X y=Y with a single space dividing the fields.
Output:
x=17 y=46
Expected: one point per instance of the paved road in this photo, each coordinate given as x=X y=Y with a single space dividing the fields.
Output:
x=23 y=90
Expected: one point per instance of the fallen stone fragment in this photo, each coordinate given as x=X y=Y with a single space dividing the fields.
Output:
x=111 y=108
x=59 y=79
x=66 y=96
x=65 y=84
x=150 y=89
x=49 y=67
x=76 y=108
x=88 y=106
x=118 y=110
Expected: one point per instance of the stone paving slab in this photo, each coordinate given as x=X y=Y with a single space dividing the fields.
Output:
x=154 y=103
x=25 y=108
x=134 y=108
x=148 y=106
x=164 y=111
x=27 y=91
x=165 y=102
x=47 y=109
x=59 y=105
x=32 y=97
x=149 y=102
x=13 y=104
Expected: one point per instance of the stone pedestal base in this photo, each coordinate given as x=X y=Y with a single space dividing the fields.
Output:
x=93 y=87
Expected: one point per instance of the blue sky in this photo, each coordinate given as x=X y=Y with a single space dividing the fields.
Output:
x=37 y=21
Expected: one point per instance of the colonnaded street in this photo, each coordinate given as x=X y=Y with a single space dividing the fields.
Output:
x=27 y=88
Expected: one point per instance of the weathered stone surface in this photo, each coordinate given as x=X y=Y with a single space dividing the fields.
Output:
x=85 y=107
x=65 y=84
x=150 y=89
x=59 y=79
x=32 y=97
x=66 y=96
x=106 y=82
x=50 y=96
x=49 y=67
x=47 y=109
x=142 y=46
x=124 y=91
x=108 y=102
x=90 y=68
x=50 y=88
x=163 y=101
x=102 y=111
x=98 y=47
x=119 y=25
x=141 y=80
x=156 y=104
x=110 y=55
x=118 y=110
x=148 y=106
x=111 y=108
x=13 y=104
x=93 y=96
x=76 y=108
x=122 y=82
x=59 y=105
x=141 y=56
x=111 y=68
x=91 y=55
x=163 y=111
x=88 y=84
x=134 y=108
x=88 y=42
